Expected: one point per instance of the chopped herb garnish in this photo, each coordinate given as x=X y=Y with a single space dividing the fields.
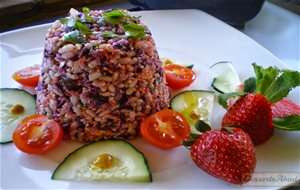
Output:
x=114 y=16
x=134 y=30
x=76 y=24
x=73 y=37
x=86 y=11
x=82 y=28
x=67 y=21
x=110 y=35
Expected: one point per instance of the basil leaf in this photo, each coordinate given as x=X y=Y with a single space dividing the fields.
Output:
x=73 y=37
x=110 y=35
x=223 y=98
x=82 y=28
x=114 y=16
x=134 y=30
x=86 y=12
x=287 y=123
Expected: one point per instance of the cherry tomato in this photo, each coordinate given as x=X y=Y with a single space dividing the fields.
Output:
x=37 y=134
x=165 y=129
x=28 y=76
x=178 y=77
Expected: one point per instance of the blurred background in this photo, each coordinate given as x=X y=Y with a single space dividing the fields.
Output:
x=21 y=13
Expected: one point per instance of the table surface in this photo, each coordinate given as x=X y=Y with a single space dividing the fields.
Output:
x=277 y=30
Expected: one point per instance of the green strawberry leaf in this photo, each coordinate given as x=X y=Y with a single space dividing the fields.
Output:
x=250 y=85
x=223 y=98
x=274 y=83
x=194 y=136
x=201 y=126
x=188 y=143
x=287 y=123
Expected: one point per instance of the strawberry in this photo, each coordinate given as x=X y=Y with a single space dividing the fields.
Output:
x=285 y=107
x=252 y=113
x=225 y=154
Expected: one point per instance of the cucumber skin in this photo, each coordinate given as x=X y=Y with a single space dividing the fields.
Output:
x=145 y=161
x=215 y=88
x=23 y=91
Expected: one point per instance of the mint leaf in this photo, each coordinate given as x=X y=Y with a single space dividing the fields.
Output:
x=86 y=11
x=134 y=30
x=274 y=83
x=201 y=126
x=288 y=123
x=82 y=28
x=223 y=98
x=110 y=35
x=114 y=16
x=73 y=37
x=250 y=85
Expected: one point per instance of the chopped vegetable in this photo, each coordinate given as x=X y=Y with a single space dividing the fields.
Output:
x=165 y=129
x=178 y=77
x=194 y=105
x=226 y=78
x=16 y=104
x=28 y=76
x=106 y=160
x=167 y=61
x=73 y=37
x=37 y=134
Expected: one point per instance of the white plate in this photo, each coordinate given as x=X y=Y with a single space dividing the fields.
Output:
x=185 y=35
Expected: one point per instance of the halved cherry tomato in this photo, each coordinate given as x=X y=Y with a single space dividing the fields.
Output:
x=165 y=129
x=37 y=134
x=28 y=76
x=178 y=77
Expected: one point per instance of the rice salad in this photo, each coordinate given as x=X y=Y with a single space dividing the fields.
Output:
x=101 y=75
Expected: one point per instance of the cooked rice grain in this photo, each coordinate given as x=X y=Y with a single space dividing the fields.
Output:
x=103 y=88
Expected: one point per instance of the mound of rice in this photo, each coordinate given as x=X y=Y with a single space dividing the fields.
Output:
x=99 y=87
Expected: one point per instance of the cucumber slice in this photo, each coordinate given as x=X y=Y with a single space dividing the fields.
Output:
x=227 y=79
x=129 y=165
x=167 y=61
x=194 y=105
x=12 y=100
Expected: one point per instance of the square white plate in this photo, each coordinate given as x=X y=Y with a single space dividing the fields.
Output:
x=184 y=35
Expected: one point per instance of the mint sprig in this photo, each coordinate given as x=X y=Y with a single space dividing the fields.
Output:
x=223 y=98
x=274 y=83
x=287 y=123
